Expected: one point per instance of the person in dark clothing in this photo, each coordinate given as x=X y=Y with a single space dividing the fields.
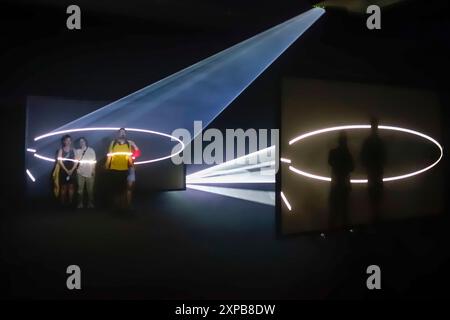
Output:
x=342 y=165
x=373 y=158
x=66 y=161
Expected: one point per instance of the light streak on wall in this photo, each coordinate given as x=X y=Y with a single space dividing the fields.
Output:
x=258 y=196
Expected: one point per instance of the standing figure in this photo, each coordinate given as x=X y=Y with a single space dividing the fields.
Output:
x=85 y=173
x=119 y=161
x=373 y=158
x=66 y=163
x=342 y=165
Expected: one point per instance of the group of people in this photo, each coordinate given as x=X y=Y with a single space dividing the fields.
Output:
x=75 y=169
x=373 y=158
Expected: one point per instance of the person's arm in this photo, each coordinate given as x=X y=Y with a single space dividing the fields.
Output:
x=78 y=153
x=61 y=163
x=94 y=158
x=135 y=149
x=134 y=145
x=75 y=164
x=108 y=158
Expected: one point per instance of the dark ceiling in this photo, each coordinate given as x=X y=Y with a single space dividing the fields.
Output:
x=124 y=45
x=203 y=14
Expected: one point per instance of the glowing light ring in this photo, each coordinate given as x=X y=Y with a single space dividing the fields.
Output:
x=63 y=159
x=119 y=154
x=30 y=175
x=111 y=129
x=76 y=161
x=351 y=127
x=285 y=200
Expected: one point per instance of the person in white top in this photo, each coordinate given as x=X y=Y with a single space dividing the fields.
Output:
x=85 y=172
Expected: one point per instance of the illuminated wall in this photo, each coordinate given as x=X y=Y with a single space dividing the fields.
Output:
x=308 y=105
x=46 y=113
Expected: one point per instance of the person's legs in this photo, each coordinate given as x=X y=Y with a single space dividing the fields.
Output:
x=345 y=208
x=63 y=193
x=333 y=208
x=81 y=182
x=130 y=186
x=375 y=195
x=114 y=188
x=120 y=188
x=131 y=178
x=71 y=187
x=90 y=191
x=340 y=209
x=124 y=190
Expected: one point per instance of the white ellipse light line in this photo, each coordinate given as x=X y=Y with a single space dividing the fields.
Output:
x=285 y=160
x=316 y=132
x=50 y=134
x=30 y=175
x=364 y=126
x=31 y=150
x=286 y=202
x=76 y=161
x=43 y=157
x=309 y=175
x=119 y=154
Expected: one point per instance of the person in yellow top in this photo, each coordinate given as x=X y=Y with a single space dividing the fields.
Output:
x=118 y=163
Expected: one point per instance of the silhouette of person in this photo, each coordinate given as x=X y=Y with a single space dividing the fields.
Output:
x=373 y=157
x=341 y=162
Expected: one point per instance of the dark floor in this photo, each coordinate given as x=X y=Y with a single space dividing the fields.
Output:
x=191 y=244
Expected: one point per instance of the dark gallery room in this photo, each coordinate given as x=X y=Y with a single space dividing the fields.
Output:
x=211 y=151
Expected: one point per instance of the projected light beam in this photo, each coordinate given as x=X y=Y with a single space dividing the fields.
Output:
x=255 y=167
x=203 y=90
x=199 y=92
x=258 y=196
x=247 y=177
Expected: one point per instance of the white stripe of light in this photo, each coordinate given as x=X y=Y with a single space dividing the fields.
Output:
x=239 y=160
x=30 y=175
x=313 y=133
x=240 y=169
x=285 y=200
x=258 y=196
x=236 y=178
